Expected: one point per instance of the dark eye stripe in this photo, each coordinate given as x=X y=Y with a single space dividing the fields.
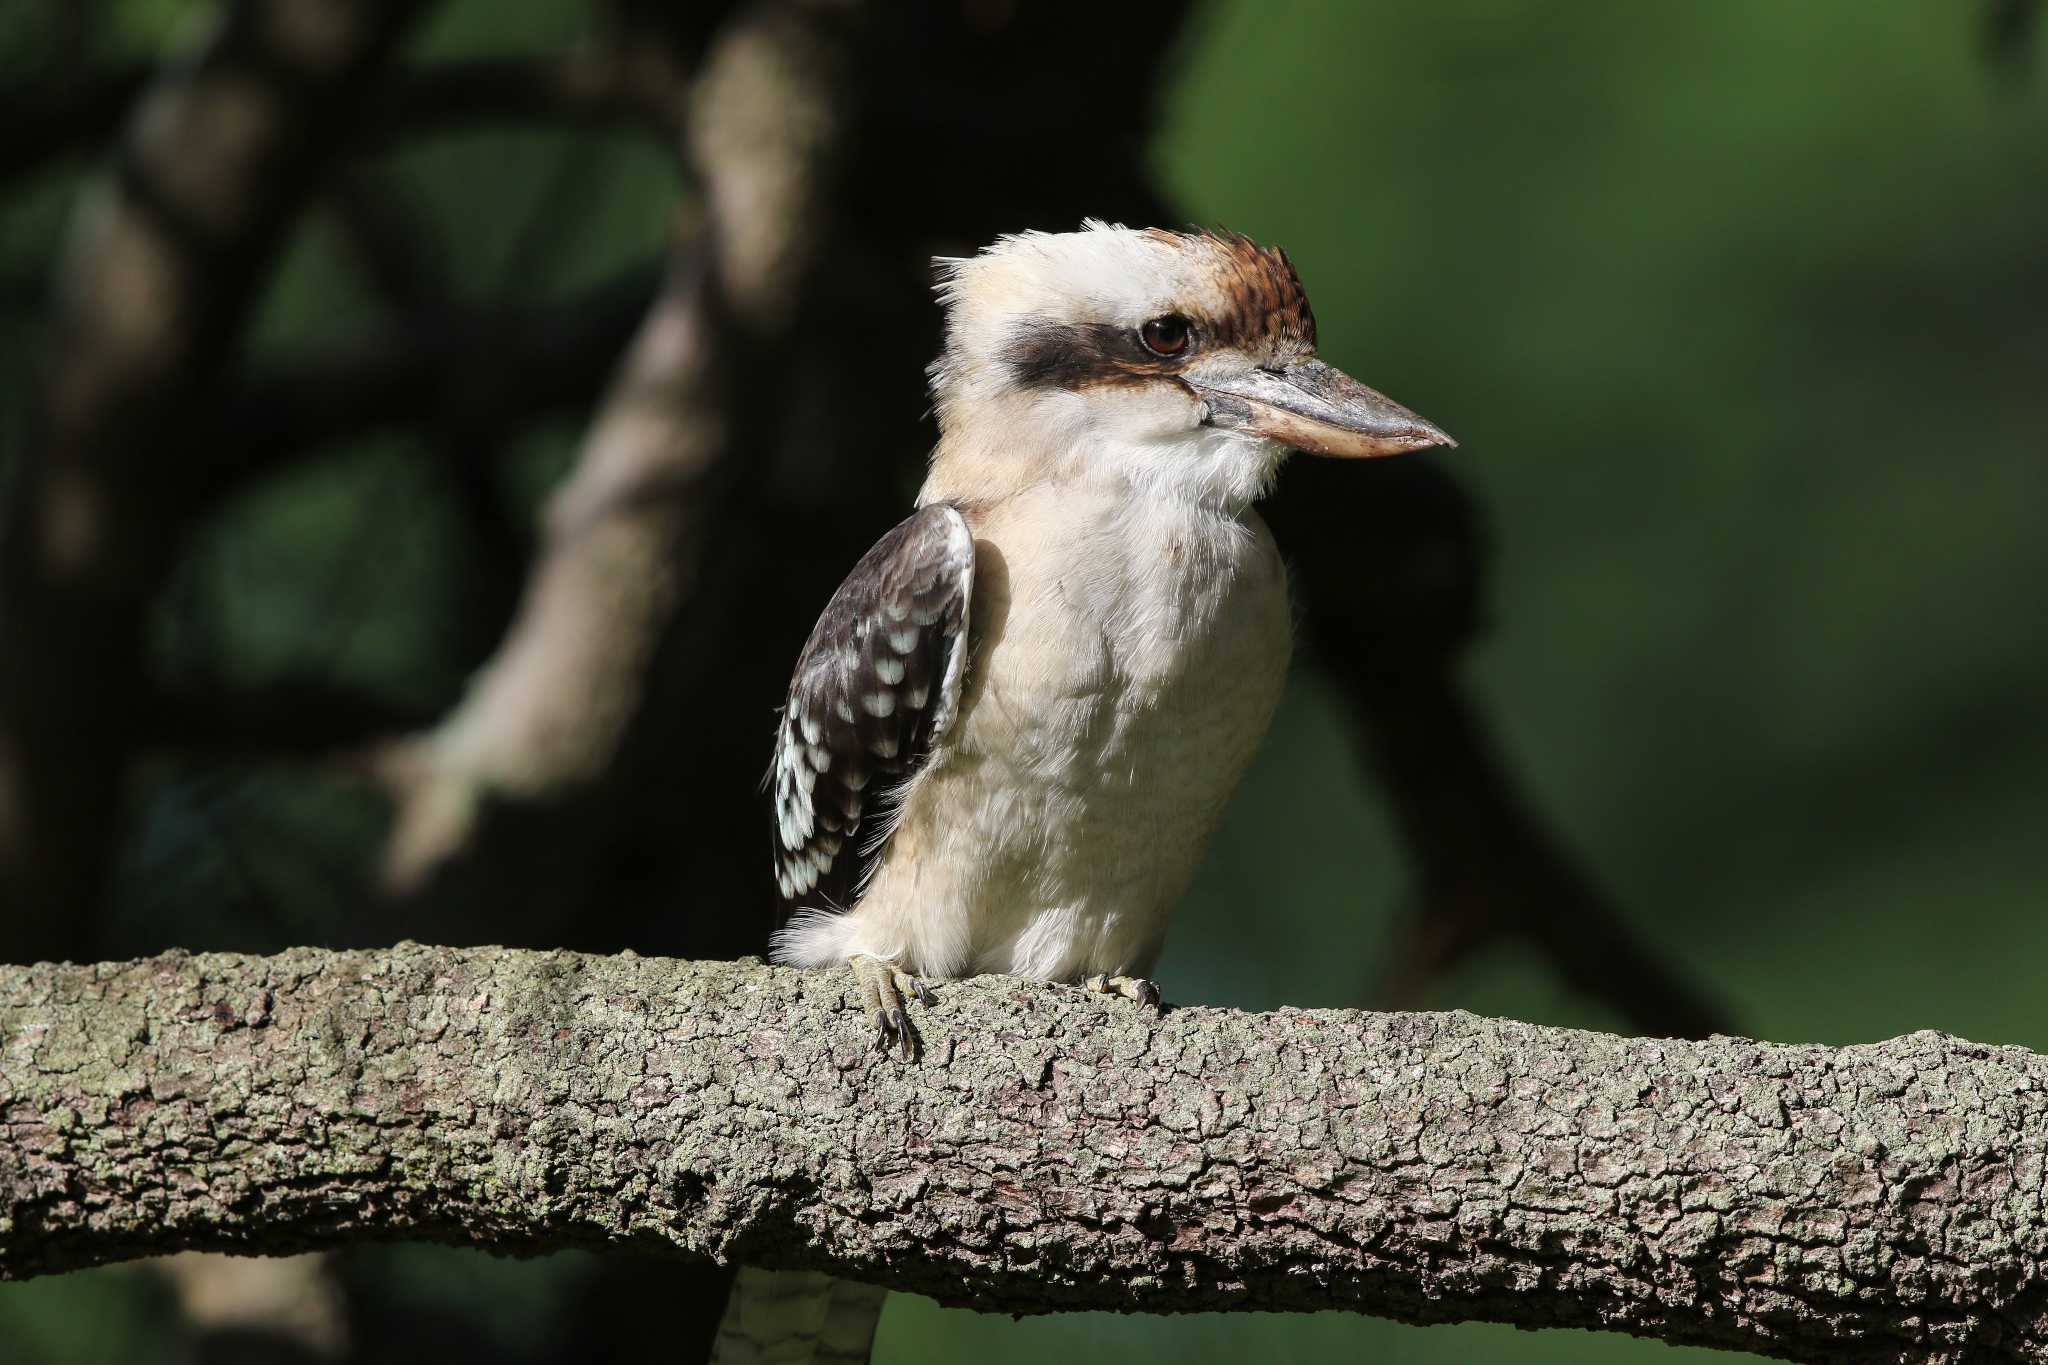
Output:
x=1042 y=353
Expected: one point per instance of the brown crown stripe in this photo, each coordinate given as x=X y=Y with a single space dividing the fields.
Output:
x=1267 y=307
x=1267 y=302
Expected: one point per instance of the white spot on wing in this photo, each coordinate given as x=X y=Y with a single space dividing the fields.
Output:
x=846 y=679
x=960 y=545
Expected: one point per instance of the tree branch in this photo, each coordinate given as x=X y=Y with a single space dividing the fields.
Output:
x=284 y=718
x=52 y=117
x=164 y=263
x=628 y=533
x=1391 y=564
x=595 y=85
x=1052 y=1152
x=511 y=364
x=592 y=86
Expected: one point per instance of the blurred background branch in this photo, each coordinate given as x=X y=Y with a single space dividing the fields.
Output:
x=1390 y=564
x=625 y=535
x=2010 y=28
x=164 y=262
x=56 y=117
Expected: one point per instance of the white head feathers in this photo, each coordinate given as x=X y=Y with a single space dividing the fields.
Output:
x=1047 y=367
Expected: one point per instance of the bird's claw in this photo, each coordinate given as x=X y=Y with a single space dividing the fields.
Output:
x=885 y=988
x=1136 y=989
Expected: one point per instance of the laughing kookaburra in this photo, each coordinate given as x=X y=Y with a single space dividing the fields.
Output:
x=1017 y=722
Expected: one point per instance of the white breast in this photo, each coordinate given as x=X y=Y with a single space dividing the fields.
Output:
x=1128 y=658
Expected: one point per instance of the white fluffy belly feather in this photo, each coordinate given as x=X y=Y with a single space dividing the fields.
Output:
x=1122 y=679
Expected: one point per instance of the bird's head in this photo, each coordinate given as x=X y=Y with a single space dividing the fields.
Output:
x=1181 y=362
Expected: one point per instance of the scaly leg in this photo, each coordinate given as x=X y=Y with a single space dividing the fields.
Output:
x=1133 y=988
x=884 y=986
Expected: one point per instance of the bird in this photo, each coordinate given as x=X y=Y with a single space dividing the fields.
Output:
x=1016 y=724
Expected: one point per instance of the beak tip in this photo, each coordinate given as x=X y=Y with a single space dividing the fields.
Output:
x=1428 y=436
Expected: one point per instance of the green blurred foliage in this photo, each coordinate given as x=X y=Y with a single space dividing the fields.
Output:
x=1738 y=310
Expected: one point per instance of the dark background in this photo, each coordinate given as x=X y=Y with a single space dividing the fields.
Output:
x=1739 y=311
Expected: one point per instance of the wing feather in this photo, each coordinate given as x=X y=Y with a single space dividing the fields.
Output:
x=877 y=685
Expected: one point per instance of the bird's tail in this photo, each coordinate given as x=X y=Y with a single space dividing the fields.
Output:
x=797 y=1317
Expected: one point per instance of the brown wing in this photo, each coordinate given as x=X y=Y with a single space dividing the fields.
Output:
x=877 y=684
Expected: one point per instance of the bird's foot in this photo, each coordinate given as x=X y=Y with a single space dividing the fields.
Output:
x=1136 y=989
x=885 y=986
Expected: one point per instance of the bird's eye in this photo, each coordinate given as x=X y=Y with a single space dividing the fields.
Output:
x=1166 y=336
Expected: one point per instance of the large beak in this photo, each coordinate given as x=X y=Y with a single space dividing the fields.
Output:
x=1316 y=408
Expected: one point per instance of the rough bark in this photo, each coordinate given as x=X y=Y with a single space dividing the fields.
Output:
x=1053 y=1151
